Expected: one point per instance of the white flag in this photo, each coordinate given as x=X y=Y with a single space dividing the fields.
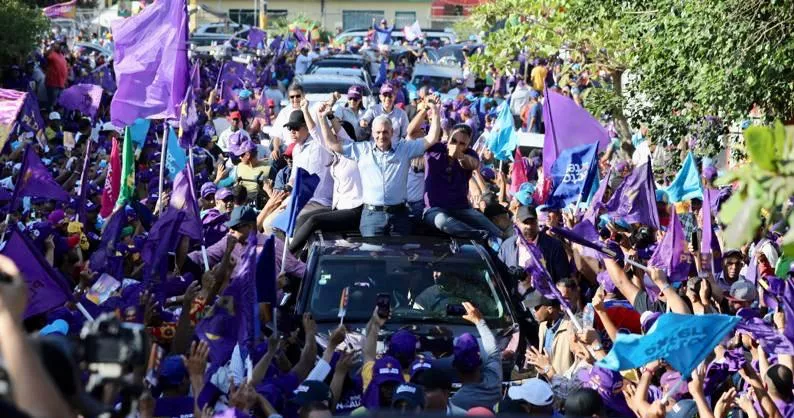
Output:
x=412 y=32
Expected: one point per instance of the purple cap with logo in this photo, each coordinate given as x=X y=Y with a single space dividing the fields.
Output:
x=385 y=370
x=403 y=344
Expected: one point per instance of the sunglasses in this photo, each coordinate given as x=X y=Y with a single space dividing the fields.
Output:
x=235 y=120
x=294 y=129
x=295 y=97
x=454 y=141
x=386 y=95
x=354 y=98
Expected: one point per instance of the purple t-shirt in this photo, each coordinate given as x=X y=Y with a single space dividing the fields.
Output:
x=176 y=407
x=446 y=182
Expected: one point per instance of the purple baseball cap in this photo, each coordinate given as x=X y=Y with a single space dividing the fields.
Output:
x=246 y=146
x=466 y=352
x=385 y=370
x=172 y=370
x=402 y=344
x=386 y=88
x=710 y=172
x=208 y=188
x=223 y=193
x=419 y=365
x=354 y=92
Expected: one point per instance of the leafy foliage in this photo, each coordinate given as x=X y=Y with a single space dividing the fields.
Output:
x=696 y=67
x=23 y=26
x=765 y=184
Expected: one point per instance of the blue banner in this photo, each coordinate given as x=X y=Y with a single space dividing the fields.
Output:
x=683 y=341
x=175 y=158
x=573 y=173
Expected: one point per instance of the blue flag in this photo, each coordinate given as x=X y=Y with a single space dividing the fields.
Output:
x=175 y=159
x=266 y=273
x=686 y=184
x=572 y=175
x=683 y=341
x=503 y=140
x=305 y=184
x=138 y=131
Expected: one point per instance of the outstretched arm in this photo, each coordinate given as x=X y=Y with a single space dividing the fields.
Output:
x=434 y=135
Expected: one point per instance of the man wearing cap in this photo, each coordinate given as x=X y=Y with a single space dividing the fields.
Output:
x=54 y=130
x=552 y=337
x=214 y=220
x=741 y=297
x=235 y=125
x=397 y=116
x=514 y=253
x=383 y=165
x=481 y=380
x=352 y=111
x=408 y=399
x=448 y=170
x=535 y=396
x=280 y=135
x=437 y=385
x=207 y=197
x=281 y=181
x=402 y=349
x=310 y=155
x=314 y=399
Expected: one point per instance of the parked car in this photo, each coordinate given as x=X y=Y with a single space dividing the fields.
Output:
x=353 y=61
x=407 y=269
x=397 y=35
x=318 y=87
x=350 y=72
x=440 y=77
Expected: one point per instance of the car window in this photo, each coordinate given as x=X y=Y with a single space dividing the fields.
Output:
x=338 y=64
x=324 y=88
x=419 y=288
x=442 y=84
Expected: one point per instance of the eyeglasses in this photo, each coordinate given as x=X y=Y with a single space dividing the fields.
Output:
x=296 y=97
x=294 y=128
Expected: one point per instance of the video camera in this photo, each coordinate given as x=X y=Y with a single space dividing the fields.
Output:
x=109 y=346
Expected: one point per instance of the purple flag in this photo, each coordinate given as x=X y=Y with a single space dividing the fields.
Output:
x=227 y=93
x=107 y=243
x=752 y=270
x=30 y=119
x=162 y=239
x=150 y=60
x=255 y=37
x=188 y=115
x=301 y=38
x=84 y=98
x=787 y=300
x=535 y=268
x=47 y=288
x=275 y=46
x=585 y=234
x=671 y=254
x=635 y=199
x=596 y=203
x=101 y=76
x=183 y=199
x=35 y=180
x=567 y=126
x=243 y=286
x=766 y=335
x=232 y=74
x=214 y=328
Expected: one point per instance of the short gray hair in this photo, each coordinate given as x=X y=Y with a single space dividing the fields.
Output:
x=382 y=119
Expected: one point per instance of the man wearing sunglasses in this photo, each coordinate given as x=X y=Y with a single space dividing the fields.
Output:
x=384 y=164
x=449 y=169
x=397 y=116
x=280 y=134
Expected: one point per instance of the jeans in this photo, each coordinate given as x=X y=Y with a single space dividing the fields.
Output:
x=333 y=221
x=417 y=208
x=380 y=223
x=466 y=223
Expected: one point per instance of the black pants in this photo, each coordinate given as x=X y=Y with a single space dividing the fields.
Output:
x=327 y=221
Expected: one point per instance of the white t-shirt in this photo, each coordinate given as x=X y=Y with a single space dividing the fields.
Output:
x=223 y=138
x=302 y=64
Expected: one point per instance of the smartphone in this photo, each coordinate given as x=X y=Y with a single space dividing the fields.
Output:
x=383 y=302
x=695 y=242
x=455 y=309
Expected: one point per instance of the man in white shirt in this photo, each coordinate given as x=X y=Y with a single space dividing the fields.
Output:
x=397 y=116
x=235 y=124
x=302 y=61
x=280 y=136
x=311 y=155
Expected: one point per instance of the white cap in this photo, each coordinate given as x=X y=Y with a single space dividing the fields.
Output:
x=108 y=126
x=55 y=116
x=535 y=391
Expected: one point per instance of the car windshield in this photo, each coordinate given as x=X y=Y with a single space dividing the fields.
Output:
x=420 y=288
x=325 y=88
x=442 y=84
x=338 y=64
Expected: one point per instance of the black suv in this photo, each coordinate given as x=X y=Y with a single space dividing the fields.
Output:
x=422 y=275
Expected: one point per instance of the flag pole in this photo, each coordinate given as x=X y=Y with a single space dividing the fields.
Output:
x=163 y=152
x=8 y=219
x=83 y=311
x=83 y=177
x=193 y=191
x=284 y=254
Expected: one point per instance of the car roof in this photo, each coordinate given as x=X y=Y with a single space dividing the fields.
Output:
x=328 y=78
x=343 y=57
x=404 y=246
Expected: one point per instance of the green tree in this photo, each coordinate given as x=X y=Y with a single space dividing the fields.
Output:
x=23 y=27
x=704 y=64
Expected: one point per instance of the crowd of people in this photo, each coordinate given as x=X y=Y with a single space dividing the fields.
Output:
x=413 y=161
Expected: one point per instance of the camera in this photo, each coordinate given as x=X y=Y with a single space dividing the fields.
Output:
x=110 y=346
x=642 y=237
